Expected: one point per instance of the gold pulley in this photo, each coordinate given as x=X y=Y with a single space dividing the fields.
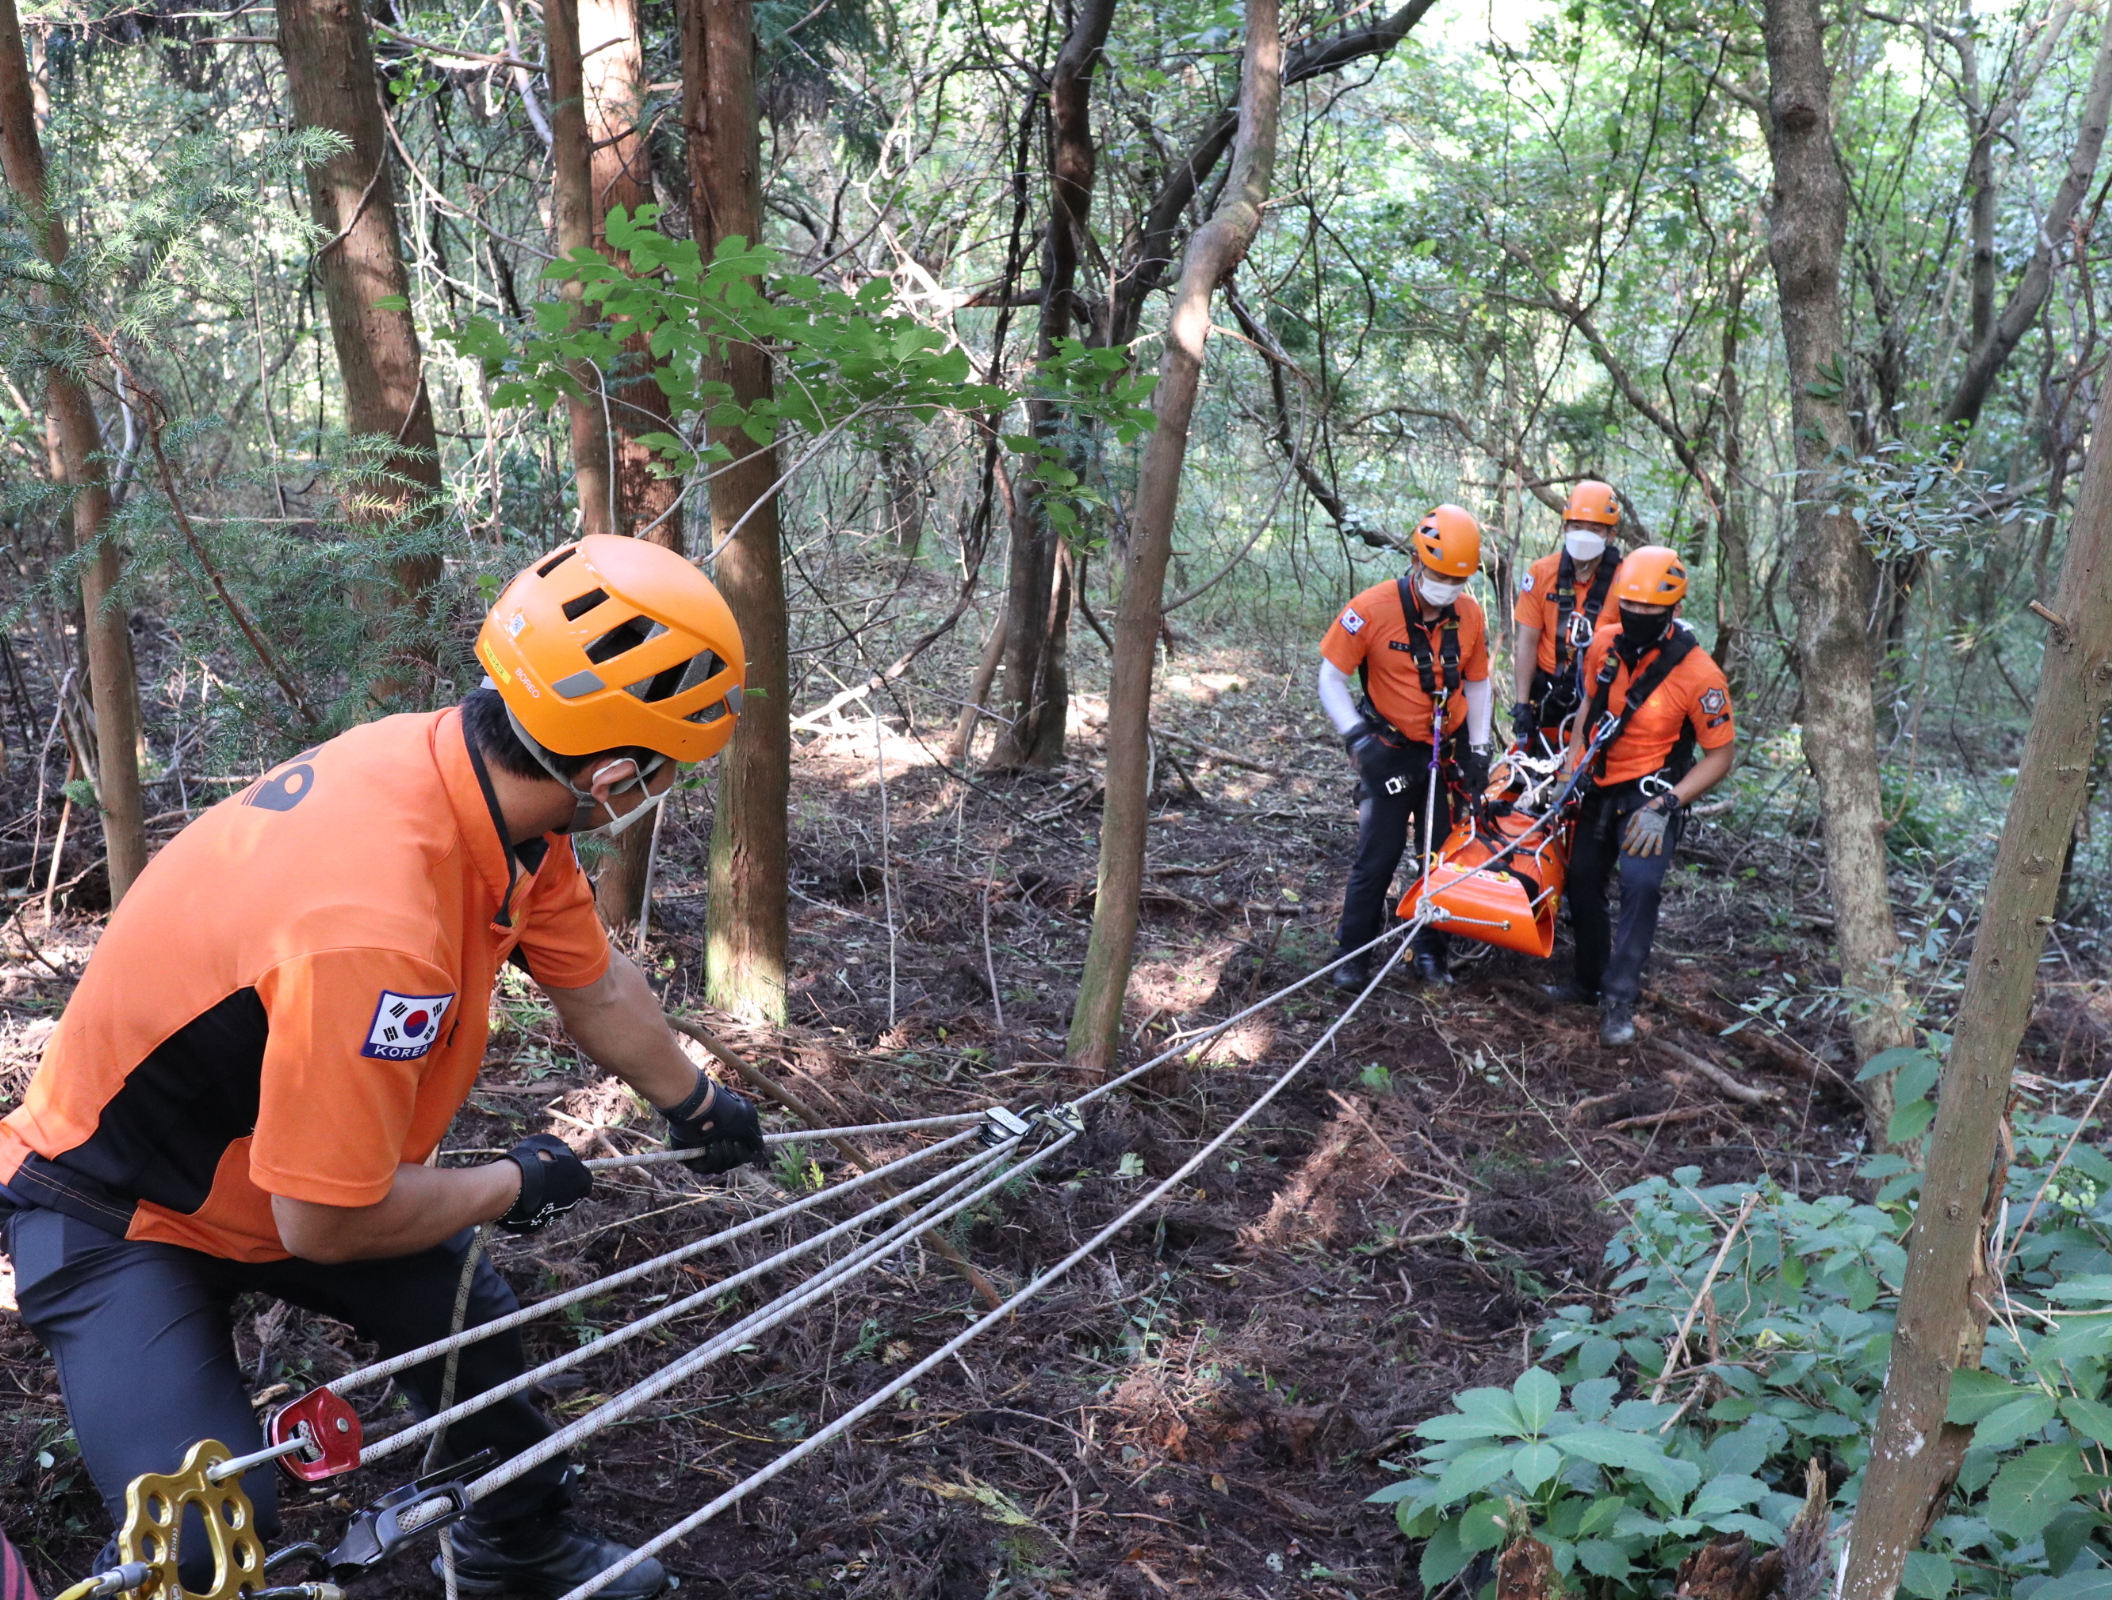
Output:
x=153 y=1530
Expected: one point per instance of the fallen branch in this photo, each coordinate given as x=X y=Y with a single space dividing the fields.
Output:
x=1677 y=1347
x=1744 y=1093
x=1659 y=1119
x=1226 y=756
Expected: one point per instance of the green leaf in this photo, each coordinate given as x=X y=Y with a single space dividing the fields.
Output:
x=1394 y=1491
x=1733 y=1491
x=1602 y=1559
x=1454 y=1426
x=2019 y=1419
x=1928 y=1575
x=1602 y=1515
x=1534 y=1464
x=2067 y=1534
x=1889 y=1061
x=2093 y=1583
x=1642 y=1454
x=1536 y=1394
x=1442 y=1556
x=1495 y=1405
x=2091 y=1418
x=1475 y=1470
x=1974 y=1393
x=1910 y=1120
x=1483 y=1527
x=2031 y=1489
x=392 y=302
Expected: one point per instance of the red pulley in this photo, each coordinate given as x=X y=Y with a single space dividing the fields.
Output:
x=328 y=1429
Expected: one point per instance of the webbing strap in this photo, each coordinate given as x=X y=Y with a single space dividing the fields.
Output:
x=1566 y=600
x=1677 y=643
x=1426 y=669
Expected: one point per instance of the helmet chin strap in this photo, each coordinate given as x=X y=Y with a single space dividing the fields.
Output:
x=584 y=801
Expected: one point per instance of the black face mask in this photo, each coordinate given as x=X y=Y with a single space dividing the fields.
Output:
x=1639 y=631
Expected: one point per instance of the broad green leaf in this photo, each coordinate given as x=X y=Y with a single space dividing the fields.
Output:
x=1593 y=1398
x=1475 y=1470
x=1602 y=1559
x=1536 y=1394
x=2092 y=1288
x=2031 y=1489
x=1494 y=1404
x=1602 y=1515
x=1757 y=1529
x=1975 y=1393
x=1442 y=1556
x=2091 y=1418
x=1910 y=1120
x=1928 y=1575
x=2019 y=1419
x=2093 y=1583
x=1534 y=1464
x=1483 y=1527
x=1452 y=1425
x=1889 y=1061
x=2066 y=1535
x=1733 y=1491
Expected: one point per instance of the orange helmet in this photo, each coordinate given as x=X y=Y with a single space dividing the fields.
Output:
x=1652 y=576
x=614 y=641
x=1449 y=542
x=1593 y=501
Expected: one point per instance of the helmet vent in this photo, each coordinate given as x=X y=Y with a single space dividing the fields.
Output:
x=679 y=678
x=555 y=562
x=580 y=606
x=625 y=636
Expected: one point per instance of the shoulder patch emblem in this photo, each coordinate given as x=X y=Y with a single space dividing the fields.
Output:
x=405 y=1026
x=1713 y=702
x=1525 y=584
x=1352 y=623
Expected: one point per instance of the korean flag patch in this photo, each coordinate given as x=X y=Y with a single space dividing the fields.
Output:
x=405 y=1026
x=1352 y=623
x=1525 y=584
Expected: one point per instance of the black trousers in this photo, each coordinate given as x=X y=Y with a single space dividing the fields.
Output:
x=146 y=1356
x=1392 y=791
x=1610 y=956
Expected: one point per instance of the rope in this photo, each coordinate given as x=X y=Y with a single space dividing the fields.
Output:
x=445 y=1418
x=959 y=1341
x=763 y=1318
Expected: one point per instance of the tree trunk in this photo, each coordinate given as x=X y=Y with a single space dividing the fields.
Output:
x=329 y=58
x=1038 y=610
x=1992 y=351
x=1734 y=540
x=1941 y=1318
x=597 y=67
x=1214 y=251
x=745 y=929
x=75 y=444
x=1832 y=574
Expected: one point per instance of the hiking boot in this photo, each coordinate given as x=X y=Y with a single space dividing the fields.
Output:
x=1351 y=976
x=547 y=1558
x=1434 y=968
x=1571 y=993
x=1616 y=1023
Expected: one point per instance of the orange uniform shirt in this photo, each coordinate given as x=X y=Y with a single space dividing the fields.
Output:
x=1372 y=633
x=1695 y=695
x=1536 y=606
x=293 y=997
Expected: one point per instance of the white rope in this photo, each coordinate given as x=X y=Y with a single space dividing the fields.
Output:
x=945 y=1352
x=763 y=1318
x=666 y=1314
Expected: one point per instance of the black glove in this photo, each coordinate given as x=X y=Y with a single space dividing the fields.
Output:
x=553 y=1181
x=729 y=1136
x=1474 y=770
x=1525 y=722
x=1647 y=828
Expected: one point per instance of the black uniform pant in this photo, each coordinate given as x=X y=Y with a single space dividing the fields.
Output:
x=1611 y=956
x=1394 y=787
x=145 y=1349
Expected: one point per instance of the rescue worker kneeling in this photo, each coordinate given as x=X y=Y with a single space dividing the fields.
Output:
x=288 y=1009
x=1420 y=644
x=1563 y=599
x=1658 y=692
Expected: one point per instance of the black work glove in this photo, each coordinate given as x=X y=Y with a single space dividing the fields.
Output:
x=1525 y=723
x=729 y=1135
x=1356 y=741
x=1474 y=770
x=553 y=1181
x=1647 y=828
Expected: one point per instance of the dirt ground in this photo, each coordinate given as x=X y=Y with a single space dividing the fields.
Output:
x=1203 y=1407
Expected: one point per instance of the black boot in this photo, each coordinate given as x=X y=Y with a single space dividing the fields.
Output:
x=1616 y=1022
x=1434 y=967
x=1352 y=975
x=545 y=1557
x=1571 y=993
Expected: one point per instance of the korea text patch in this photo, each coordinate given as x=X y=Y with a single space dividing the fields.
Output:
x=405 y=1026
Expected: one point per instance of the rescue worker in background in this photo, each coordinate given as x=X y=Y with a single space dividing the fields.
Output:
x=1658 y=694
x=1420 y=645
x=1564 y=597
x=290 y=1006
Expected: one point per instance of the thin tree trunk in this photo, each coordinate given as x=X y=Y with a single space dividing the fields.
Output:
x=1992 y=351
x=329 y=57
x=572 y=220
x=745 y=929
x=1943 y=1304
x=1734 y=541
x=978 y=691
x=1214 y=252
x=76 y=445
x=1832 y=574
x=1037 y=691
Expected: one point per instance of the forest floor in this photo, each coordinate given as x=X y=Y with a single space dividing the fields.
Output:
x=1203 y=1408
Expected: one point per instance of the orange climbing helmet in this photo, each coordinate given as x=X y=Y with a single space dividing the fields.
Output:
x=1593 y=501
x=1449 y=542
x=611 y=642
x=1651 y=576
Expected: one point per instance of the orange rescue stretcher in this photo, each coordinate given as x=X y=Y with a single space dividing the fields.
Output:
x=1512 y=904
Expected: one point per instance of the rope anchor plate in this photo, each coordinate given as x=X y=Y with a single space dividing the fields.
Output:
x=155 y=1503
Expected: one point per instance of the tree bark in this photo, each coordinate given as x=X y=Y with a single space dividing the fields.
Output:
x=75 y=445
x=1214 y=252
x=597 y=85
x=1942 y=1318
x=1832 y=574
x=329 y=56
x=1037 y=690
x=745 y=928
x=2001 y=339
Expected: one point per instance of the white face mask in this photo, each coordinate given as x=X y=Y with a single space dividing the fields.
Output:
x=1437 y=591
x=1583 y=546
x=584 y=803
x=618 y=825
